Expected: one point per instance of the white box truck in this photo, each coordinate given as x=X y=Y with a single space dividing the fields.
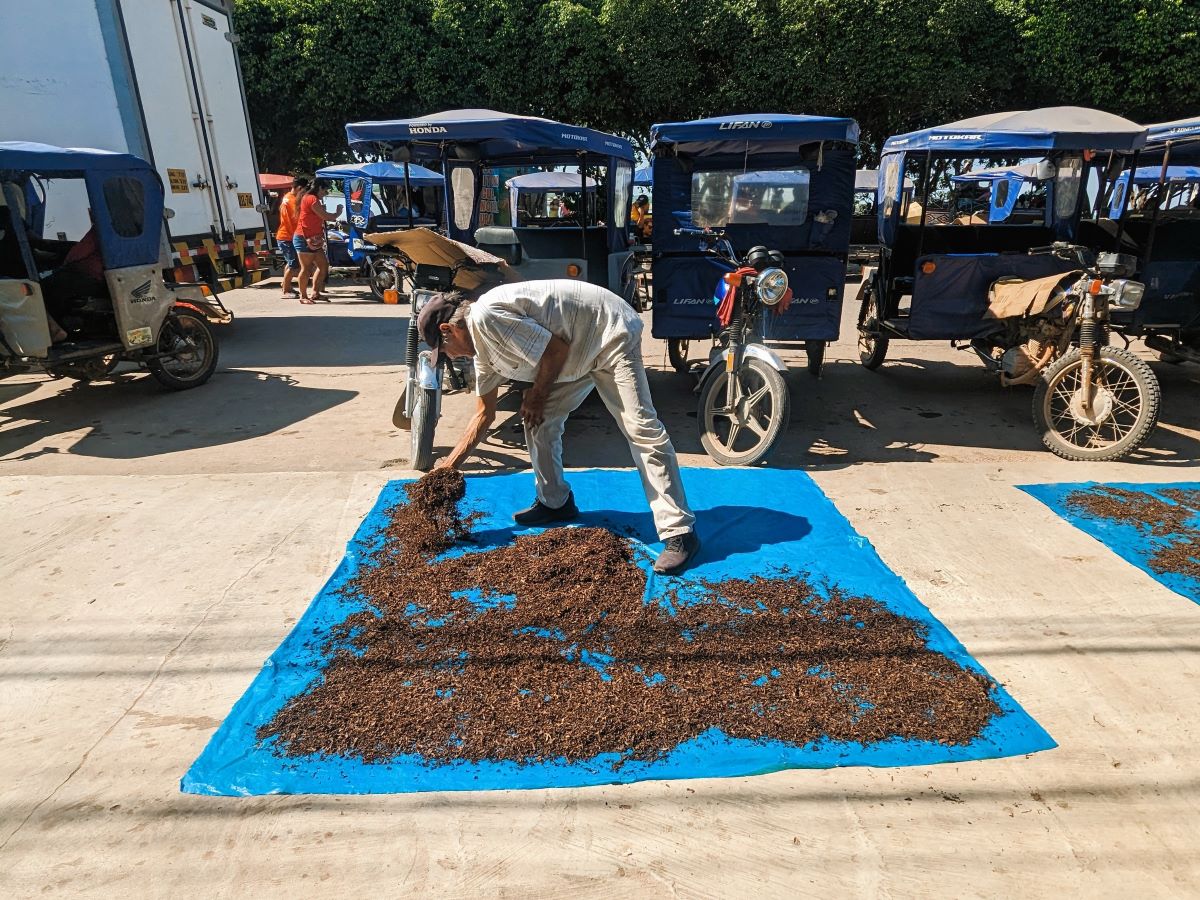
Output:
x=156 y=78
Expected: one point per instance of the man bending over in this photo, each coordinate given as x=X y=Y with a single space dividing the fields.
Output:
x=564 y=337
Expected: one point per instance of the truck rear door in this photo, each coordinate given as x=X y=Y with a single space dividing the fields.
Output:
x=218 y=85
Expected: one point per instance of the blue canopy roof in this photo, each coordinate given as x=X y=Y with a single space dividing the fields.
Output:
x=44 y=158
x=643 y=177
x=495 y=135
x=1052 y=128
x=756 y=128
x=1175 y=174
x=384 y=173
x=550 y=181
x=1173 y=131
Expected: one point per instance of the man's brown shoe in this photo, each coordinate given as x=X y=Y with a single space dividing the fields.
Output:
x=679 y=551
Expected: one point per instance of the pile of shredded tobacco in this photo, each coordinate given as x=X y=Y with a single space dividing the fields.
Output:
x=549 y=648
x=1172 y=524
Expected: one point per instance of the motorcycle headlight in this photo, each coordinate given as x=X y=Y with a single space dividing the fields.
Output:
x=1126 y=294
x=772 y=285
x=420 y=298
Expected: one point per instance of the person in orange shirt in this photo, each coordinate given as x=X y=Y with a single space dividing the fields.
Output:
x=289 y=212
x=309 y=241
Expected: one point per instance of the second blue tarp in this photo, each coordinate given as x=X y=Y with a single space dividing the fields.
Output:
x=1137 y=545
x=752 y=522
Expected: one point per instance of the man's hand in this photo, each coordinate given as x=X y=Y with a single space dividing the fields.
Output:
x=533 y=407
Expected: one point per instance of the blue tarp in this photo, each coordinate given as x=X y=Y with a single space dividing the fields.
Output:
x=752 y=522
x=1132 y=544
x=757 y=128
x=384 y=173
x=496 y=135
x=1052 y=128
x=643 y=177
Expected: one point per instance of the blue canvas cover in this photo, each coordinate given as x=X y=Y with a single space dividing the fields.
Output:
x=1051 y=128
x=496 y=135
x=1180 y=129
x=950 y=303
x=124 y=192
x=754 y=522
x=643 y=177
x=723 y=133
x=384 y=173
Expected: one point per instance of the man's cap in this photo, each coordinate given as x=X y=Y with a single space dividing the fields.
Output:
x=436 y=312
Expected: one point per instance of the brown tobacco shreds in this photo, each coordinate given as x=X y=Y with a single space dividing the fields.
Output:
x=517 y=675
x=1175 y=522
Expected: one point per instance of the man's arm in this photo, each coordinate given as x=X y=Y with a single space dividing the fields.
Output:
x=485 y=414
x=533 y=401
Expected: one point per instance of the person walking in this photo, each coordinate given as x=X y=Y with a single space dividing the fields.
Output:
x=564 y=337
x=309 y=241
x=289 y=211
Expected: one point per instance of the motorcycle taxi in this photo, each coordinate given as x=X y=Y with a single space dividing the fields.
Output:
x=479 y=150
x=1156 y=210
x=409 y=196
x=77 y=309
x=1032 y=292
x=784 y=182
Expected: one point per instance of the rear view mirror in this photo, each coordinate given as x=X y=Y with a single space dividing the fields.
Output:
x=1046 y=170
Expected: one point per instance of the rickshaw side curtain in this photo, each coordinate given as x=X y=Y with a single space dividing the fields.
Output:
x=127 y=213
x=462 y=207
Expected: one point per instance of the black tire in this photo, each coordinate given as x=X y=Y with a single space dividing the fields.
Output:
x=382 y=275
x=816 y=357
x=677 y=353
x=720 y=443
x=1170 y=358
x=872 y=349
x=191 y=348
x=424 y=424
x=1129 y=401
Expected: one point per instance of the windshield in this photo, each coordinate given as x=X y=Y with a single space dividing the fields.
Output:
x=992 y=191
x=774 y=197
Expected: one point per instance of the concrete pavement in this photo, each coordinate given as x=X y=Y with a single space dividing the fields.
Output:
x=159 y=546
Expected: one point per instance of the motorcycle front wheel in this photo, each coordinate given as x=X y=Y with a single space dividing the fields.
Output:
x=747 y=432
x=424 y=423
x=1123 y=408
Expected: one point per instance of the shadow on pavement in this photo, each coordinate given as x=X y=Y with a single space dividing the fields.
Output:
x=910 y=410
x=133 y=417
x=313 y=337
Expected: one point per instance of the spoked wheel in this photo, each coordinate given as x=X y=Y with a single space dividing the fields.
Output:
x=424 y=423
x=383 y=277
x=872 y=348
x=677 y=353
x=747 y=432
x=1123 y=408
x=189 y=351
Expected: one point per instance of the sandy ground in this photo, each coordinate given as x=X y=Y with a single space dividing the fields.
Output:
x=157 y=547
